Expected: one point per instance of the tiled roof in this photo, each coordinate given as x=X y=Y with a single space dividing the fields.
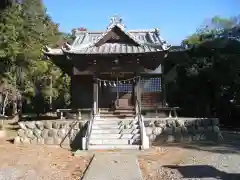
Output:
x=146 y=37
x=87 y=42
x=115 y=48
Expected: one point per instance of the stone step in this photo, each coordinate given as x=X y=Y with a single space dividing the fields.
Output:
x=114 y=118
x=120 y=116
x=115 y=131
x=115 y=126
x=117 y=111
x=114 y=121
x=117 y=114
x=110 y=122
x=125 y=108
x=106 y=131
x=115 y=136
x=113 y=147
x=111 y=141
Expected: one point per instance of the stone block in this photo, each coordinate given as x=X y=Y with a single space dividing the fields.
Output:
x=190 y=138
x=73 y=134
x=169 y=130
x=170 y=138
x=17 y=140
x=184 y=130
x=52 y=133
x=64 y=125
x=55 y=125
x=215 y=122
x=29 y=133
x=200 y=129
x=22 y=125
x=40 y=140
x=57 y=140
x=185 y=134
x=37 y=132
x=21 y=133
x=47 y=125
x=196 y=137
x=191 y=130
x=34 y=141
x=148 y=124
x=178 y=134
x=189 y=123
x=152 y=137
x=76 y=126
x=170 y=123
x=39 y=125
x=206 y=122
x=215 y=128
x=25 y=140
x=45 y=133
x=31 y=125
x=66 y=141
x=161 y=123
x=199 y=122
x=149 y=130
x=160 y=139
x=48 y=140
x=62 y=133
x=157 y=131
x=209 y=128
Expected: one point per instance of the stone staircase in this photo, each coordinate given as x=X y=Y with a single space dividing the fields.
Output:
x=116 y=129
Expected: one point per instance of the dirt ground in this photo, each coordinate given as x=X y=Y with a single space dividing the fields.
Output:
x=151 y=162
x=45 y=163
x=27 y=162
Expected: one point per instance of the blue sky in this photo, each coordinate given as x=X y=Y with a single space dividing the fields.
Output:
x=176 y=19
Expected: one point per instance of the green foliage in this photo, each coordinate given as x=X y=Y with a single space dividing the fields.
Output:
x=24 y=30
x=208 y=83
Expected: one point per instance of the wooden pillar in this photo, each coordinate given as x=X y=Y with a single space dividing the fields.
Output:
x=138 y=91
x=95 y=96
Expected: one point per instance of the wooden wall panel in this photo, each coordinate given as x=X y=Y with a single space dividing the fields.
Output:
x=82 y=91
x=151 y=99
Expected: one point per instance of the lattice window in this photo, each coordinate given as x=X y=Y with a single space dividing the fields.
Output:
x=127 y=87
x=151 y=85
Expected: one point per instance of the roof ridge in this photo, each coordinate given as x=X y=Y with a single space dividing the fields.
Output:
x=129 y=31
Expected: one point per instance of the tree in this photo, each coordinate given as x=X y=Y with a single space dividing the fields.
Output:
x=25 y=28
x=208 y=81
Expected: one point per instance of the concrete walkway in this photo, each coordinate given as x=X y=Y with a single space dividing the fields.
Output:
x=111 y=166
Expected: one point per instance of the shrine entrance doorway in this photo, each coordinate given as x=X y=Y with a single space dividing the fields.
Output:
x=117 y=90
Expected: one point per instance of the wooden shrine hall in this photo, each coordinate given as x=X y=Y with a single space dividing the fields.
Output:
x=114 y=68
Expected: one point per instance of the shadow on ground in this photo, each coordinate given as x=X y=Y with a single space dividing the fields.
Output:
x=230 y=144
x=203 y=171
x=38 y=118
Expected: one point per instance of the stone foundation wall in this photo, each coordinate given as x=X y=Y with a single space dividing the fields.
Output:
x=52 y=132
x=182 y=130
x=64 y=132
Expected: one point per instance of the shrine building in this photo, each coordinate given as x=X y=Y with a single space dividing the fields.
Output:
x=115 y=67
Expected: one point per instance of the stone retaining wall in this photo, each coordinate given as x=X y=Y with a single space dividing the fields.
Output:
x=52 y=132
x=64 y=132
x=182 y=130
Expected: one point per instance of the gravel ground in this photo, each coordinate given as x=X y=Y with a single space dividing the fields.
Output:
x=193 y=162
x=39 y=163
x=179 y=163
